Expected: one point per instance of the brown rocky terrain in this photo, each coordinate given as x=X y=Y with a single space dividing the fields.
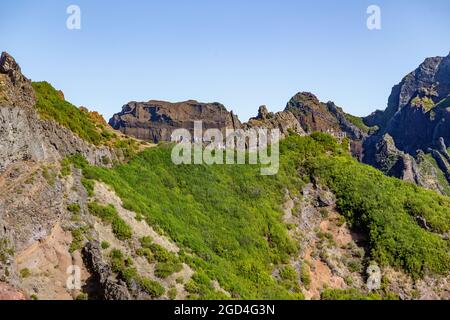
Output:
x=316 y=116
x=155 y=121
x=285 y=121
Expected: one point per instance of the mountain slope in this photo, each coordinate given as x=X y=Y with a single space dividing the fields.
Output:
x=239 y=239
x=145 y=228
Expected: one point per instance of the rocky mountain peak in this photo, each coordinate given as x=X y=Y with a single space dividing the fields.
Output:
x=263 y=113
x=430 y=80
x=304 y=99
x=15 y=88
x=417 y=119
x=10 y=67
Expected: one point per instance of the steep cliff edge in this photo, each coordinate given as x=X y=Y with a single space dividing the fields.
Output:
x=417 y=120
x=25 y=136
x=155 y=121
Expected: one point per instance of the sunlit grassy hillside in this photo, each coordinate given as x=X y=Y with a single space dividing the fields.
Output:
x=227 y=219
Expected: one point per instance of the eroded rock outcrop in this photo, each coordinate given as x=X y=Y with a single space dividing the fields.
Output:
x=110 y=287
x=156 y=120
x=284 y=121
x=316 y=116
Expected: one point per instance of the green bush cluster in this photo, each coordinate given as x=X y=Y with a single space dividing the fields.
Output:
x=77 y=239
x=89 y=126
x=228 y=216
x=88 y=185
x=110 y=215
x=74 y=208
x=348 y=294
x=168 y=262
x=387 y=210
x=124 y=268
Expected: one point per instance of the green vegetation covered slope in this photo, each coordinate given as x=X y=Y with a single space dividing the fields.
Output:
x=227 y=219
x=88 y=125
x=51 y=105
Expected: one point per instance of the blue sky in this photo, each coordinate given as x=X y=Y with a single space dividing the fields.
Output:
x=240 y=53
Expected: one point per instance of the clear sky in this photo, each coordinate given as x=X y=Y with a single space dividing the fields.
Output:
x=242 y=53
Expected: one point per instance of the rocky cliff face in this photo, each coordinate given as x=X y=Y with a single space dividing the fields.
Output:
x=284 y=121
x=33 y=194
x=316 y=116
x=155 y=120
x=417 y=120
x=23 y=136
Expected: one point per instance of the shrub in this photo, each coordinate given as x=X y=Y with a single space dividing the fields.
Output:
x=165 y=269
x=105 y=245
x=110 y=215
x=172 y=293
x=65 y=167
x=82 y=296
x=147 y=253
x=89 y=186
x=305 y=275
x=74 y=208
x=348 y=294
x=153 y=288
x=25 y=273
x=77 y=239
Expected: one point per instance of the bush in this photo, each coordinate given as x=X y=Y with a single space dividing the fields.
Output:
x=172 y=293
x=305 y=275
x=89 y=186
x=110 y=215
x=349 y=294
x=25 y=273
x=153 y=288
x=163 y=270
x=147 y=253
x=82 y=296
x=105 y=245
x=65 y=167
x=74 y=208
x=77 y=239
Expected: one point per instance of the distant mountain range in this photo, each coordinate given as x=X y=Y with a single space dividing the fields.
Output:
x=408 y=140
x=77 y=193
